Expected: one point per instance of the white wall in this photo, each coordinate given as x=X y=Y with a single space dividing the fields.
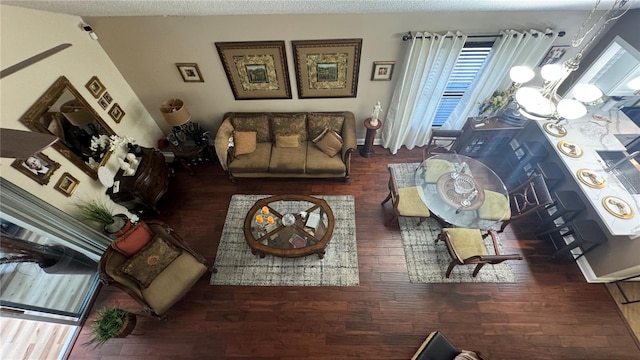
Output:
x=25 y=33
x=145 y=50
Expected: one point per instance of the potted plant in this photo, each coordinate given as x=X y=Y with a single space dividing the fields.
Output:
x=111 y=323
x=100 y=213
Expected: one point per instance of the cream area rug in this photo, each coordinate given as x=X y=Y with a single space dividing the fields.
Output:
x=236 y=265
x=427 y=261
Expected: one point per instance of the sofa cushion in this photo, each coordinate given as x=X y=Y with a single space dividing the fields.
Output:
x=257 y=161
x=253 y=122
x=289 y=124
x=244 y=142
x=317 y=122
x=288 y=141
x=133 y=240
x=171 y=284
x=288 y=160
x=144 y=266
x=329 y=142
x=320 y=163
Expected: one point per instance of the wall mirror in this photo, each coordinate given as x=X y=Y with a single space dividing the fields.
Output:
x=63 y=112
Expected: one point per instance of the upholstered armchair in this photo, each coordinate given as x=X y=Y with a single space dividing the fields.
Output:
x=466 y=247
x=152 y=264
x=437 y=347
x=406 y=201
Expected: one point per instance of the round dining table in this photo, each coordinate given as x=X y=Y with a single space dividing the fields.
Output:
x=454 y=187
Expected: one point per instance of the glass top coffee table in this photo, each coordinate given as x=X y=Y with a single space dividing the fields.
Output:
x=289 y=226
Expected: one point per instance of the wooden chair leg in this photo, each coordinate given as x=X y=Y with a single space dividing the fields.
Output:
x=393 y=219
x=386 y=199
x=450 y=268
x=422 y=219
x=478 y=267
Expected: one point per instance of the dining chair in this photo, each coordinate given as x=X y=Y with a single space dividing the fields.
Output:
x=524 y=200
x=406 y=201
x=441 y=141
x=466 y=247
x=434 y=168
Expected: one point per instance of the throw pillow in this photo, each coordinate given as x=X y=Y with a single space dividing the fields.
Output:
x=288 y=141
x=133 y=240
x=467 y=355
x=329 y=142
x=244 y=142
x=288 y=124
x=258 y=122
x=317 y=122
x=144 y=266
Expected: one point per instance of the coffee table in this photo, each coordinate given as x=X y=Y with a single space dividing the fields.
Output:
x=302 y=225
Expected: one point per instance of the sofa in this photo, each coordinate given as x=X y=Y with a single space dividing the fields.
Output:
x=286 y=144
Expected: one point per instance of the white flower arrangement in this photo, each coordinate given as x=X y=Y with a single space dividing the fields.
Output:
x=118 y=142
x=99 y=143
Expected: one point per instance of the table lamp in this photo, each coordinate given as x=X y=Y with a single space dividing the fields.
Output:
x=175 y=113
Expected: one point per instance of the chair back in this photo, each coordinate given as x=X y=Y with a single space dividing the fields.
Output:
x=393 y=189
x=530 y=196
x=442 y=141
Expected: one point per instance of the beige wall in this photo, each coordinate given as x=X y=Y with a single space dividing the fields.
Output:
x=145 y=50
x=25 y=33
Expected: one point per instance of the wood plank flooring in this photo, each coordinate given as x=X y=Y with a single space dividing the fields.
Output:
x=549 y=313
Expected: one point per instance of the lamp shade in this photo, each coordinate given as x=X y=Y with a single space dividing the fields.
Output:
x=174 y=111
x=76 y=112
x=586 y=93
x=521 y=74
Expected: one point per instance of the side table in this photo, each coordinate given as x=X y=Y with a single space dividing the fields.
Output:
x=185 y=154
x=367 y=149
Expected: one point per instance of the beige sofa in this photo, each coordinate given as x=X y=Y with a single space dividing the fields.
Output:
x=286 y=144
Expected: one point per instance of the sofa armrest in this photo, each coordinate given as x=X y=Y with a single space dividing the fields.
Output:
x=349 y=141
x=221 y=143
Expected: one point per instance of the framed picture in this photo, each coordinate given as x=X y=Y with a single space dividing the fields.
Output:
x=554 y=55
x=67 y=184
x=382 y=70
x=103 y=102
x=107 y=97
x=256 y=69
x=327 y=68
x=116 y=113
x=190 y=72
x=37 y=166
x=95 y=87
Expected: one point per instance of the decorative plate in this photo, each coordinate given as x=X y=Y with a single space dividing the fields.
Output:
x=570 y=149
x=617 y=207
x=591 y=178
x=553 y=129
x=105 y=176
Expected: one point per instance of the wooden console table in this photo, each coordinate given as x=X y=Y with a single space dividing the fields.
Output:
x=140 y=192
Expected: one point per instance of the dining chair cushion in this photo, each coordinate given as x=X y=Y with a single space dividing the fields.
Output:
x=495 y=207
x=435 y=168
x=410 y=204
x=467 y=242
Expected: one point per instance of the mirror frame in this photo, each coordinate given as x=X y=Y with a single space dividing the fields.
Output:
x=32 y=117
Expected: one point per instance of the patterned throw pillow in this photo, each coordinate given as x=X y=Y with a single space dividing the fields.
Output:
x=133 y=240
x=144 y=266
x=329 y=142
x=317 y=122
x=287 y=141
x=244 y=142
x=290 y=124
x=254 y=122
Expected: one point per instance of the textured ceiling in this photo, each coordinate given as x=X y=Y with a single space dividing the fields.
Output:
x=246 y=7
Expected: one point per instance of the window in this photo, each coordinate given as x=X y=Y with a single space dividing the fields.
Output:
x=469 y=64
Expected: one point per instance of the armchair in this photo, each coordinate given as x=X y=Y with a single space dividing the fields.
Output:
x=169 y=285
x=438 y=347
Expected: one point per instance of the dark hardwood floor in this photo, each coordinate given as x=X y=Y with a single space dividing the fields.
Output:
x=549 y=313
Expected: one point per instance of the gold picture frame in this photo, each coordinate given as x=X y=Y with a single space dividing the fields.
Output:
x=190 y=72
x=116 y=113
x=327 y=68
x=95 y=87
x=39 y=167
x=382 y=70
x=256 y=69
x=67 y=184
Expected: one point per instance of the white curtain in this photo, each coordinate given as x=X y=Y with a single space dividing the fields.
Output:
x=513 y=48
x=429 y=62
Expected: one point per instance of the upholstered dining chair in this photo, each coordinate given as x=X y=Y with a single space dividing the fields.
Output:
x=441 y=141
x=524 y=200
x=466 y=247
x=406 y=201
x=434 y=168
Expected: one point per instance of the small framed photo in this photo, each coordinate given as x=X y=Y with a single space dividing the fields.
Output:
x=107 y=97
x=555 y=54
x=382 y=70
x=67 y=184
x=95 y=87
x=103 y=103
x=38 y=167
x=116 y=113
x=190 y=72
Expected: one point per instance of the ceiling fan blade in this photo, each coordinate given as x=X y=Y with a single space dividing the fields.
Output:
x=32 y=60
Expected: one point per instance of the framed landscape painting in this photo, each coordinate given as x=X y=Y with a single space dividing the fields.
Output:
x=327 y=68
x=256 y=69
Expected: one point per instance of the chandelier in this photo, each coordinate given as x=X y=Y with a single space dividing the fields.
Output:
x=543 y=102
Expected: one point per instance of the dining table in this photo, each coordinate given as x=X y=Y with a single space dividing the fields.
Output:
x=454 y=188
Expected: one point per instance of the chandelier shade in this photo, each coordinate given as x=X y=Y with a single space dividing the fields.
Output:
x=634 y=83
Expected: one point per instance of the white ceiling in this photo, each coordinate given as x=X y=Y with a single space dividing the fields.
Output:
x=247 y=7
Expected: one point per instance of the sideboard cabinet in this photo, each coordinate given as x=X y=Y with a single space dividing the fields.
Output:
x=485 y=136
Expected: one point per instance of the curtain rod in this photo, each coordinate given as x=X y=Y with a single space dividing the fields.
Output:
x=409 y=36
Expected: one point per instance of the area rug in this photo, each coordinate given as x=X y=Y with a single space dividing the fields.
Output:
x=427 y=261
x=236 y=265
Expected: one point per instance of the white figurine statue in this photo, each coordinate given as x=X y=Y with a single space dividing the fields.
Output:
x=375 y=115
